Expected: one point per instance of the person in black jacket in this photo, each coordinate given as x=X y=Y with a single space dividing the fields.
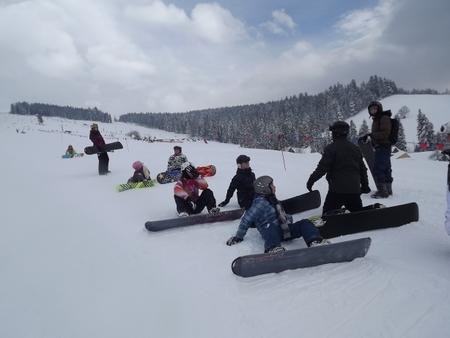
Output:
x=243 y=182
x=346 y=172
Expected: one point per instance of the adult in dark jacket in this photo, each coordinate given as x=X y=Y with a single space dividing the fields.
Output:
x=243 y=183
x=274 y=225
x=99 y=142
x=381 y=130
x=345 y=171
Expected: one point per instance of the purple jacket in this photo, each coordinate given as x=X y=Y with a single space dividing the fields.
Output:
x=97 y=138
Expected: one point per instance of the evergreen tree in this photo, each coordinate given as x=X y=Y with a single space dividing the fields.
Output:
x=364 y=129
x=401 y=143
x=403 y=113
x=423 y=128
x=353 y=134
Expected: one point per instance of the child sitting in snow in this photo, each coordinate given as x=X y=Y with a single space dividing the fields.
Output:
x=141 y=173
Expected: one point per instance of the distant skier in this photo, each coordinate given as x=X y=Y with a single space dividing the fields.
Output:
x=176 y=160
x=274 y=225
x=186 y=193
x=99 y=142
x=380 y=136
x=242 y=182
x=346 y=172
x=141 y=173
x=446 y=129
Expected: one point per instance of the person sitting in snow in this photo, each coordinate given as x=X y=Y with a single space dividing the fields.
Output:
x=141 y=173
x=346 y=173
x=274 y=225
x=70 y=152
x=186 y=193
x=176 y=160
x=243 y=183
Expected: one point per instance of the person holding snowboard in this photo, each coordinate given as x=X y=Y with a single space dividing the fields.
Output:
x=186 y=193
x=243 y=183
x=176 y=160
x=346 y=173
x=141 y=173
x=380 y=137
x=274 y=225
x=99 y=142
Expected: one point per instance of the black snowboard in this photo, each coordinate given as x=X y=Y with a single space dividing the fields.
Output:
x=294 y=205
x=369 y=155
x=108 y=147
x=367 y=220
x=254 y=265
x=193 y=220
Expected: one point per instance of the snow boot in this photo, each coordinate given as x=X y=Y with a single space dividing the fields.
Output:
x=389 y=188
x=319 y=242
x=382 y=191
x=214 y=210
x=276 y=250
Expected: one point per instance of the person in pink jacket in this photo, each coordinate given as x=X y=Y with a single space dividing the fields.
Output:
x=187 y=194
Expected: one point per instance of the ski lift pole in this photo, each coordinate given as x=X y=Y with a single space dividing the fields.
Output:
x=281 y=144
x=284 y=162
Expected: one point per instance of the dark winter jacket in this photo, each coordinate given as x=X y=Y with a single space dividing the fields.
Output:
x=243 y=182
x=381 y=126
x=343 y=164
x=97 y=139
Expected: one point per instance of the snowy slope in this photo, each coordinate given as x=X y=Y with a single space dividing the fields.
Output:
x=76 y=261
x=435 y=107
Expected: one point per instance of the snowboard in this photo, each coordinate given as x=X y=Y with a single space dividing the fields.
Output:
x=178 y=222
x=367 y=220
x=293 y=205
x=108 y=147
x=75 y=155
x=174 y=175
x=369 y=155
x=134 y=185
x=254 y=265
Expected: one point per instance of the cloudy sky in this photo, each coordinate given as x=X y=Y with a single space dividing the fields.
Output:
x=177 y=55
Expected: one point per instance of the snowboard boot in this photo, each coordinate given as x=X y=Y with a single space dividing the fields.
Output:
x=389 y=188
x=214 y=210
x=382 y=191
x=319 y=242
x=276 y=250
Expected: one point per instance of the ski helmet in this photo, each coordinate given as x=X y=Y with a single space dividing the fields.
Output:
x=242 y=159
x=262 y=185
x=340 y=128
x=375 y=104
x=177 y=147
x=137 y=165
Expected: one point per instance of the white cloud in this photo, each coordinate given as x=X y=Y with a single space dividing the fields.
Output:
x=157 y=13
x=280 y=23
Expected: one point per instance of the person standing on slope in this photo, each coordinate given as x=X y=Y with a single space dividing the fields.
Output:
x=99 y=142
x=346 y=173
x=186 y=193
x=274 y=225
x=380 y=133
x=446 y=129
x=243 y=183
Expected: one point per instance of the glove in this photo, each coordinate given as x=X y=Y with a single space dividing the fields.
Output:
x=234 y=240
x=309 y=185
x=365 y=189
x=222 y=204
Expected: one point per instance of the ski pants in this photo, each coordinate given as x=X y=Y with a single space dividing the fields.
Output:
x=273 y=235
x=382 y=165
x=103 y=162
x=447 y=215
x=333 y=201
x=206 y=199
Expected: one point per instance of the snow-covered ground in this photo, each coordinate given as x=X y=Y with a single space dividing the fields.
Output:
x=76 y=260
x=435 y=107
